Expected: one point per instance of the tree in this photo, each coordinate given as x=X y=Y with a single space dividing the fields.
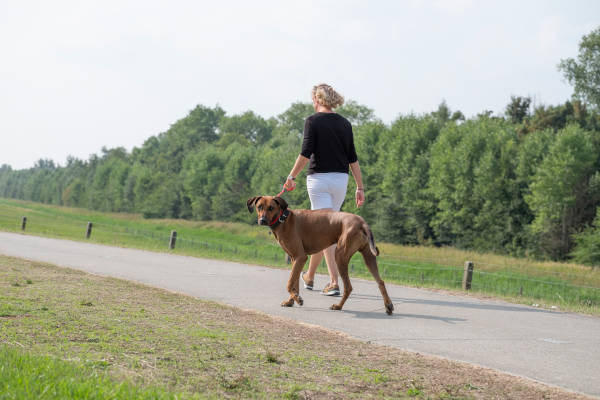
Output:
x=473 y=183
x=443 y=113
x=198 y=128
x=356 y=113
x=106 y=187
x=501 y=215
x=157 y=193
x=584 y=73
x=292 y=119
x=517 y=109
x=406 y=206
x=74 y=194
x=252 y=126
x=457 y=116
x=367 y=142
x=564 y=193
x=228 y=202
x=479 y=183
x=202 y=174
x=44 y=164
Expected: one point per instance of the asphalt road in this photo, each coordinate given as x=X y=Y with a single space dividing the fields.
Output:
x=561 y=349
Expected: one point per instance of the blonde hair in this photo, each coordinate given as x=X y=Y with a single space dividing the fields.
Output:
x=326 y=96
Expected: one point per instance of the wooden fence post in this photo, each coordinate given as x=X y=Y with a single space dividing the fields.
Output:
x=23 y=223
x=467 y=275
x=88 y=231
x=173 y=240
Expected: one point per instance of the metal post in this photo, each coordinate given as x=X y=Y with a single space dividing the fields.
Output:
x=88 y=231
x=173 y=240
x=23 y=223
x=467 y=275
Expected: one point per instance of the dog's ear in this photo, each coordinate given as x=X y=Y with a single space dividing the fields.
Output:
x=282 y=203
x=252 y=202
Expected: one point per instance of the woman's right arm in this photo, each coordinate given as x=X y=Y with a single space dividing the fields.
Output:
x=360 y=189
x=299 y=165
x=308 y=148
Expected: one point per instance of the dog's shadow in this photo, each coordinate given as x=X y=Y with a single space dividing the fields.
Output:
x=381 y=315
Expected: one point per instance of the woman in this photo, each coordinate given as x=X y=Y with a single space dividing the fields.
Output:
x=328 y=148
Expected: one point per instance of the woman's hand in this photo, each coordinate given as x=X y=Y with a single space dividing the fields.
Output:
x=360 y=189
x=289 y=184
x=360 y=196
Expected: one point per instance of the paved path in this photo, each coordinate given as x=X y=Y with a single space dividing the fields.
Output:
x=561 y=349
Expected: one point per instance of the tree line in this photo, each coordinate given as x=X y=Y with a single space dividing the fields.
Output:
x=525 y=183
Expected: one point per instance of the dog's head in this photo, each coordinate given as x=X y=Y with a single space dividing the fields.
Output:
x=268 y=208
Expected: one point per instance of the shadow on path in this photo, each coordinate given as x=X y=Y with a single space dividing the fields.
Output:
x=379 y=313
x=460 y=304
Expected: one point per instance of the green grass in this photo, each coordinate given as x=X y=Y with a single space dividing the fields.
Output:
x=568 y=287
x=69 y=334
x=28 y=376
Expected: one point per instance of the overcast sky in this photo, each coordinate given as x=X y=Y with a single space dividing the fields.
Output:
x=79 y=75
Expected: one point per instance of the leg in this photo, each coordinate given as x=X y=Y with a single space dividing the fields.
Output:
x=331 y=263
x=371 y=263
x=337 y=188
x=293 y=285
x=321 y=198
x=342 y=263
x=315 y=260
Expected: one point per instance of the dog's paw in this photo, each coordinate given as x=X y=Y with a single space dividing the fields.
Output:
x=300 y=301
x=389 y=308
x=287 y=303
x=335 y=307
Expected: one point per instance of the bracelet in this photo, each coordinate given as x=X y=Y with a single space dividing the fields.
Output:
x=291 y=177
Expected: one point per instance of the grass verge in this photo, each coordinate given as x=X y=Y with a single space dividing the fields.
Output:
x=24 y=375
x=568 y=287
x=68 y=334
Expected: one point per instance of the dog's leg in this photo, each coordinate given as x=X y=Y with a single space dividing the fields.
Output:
x=342 y=260
x=371 y=263
x=293 y=285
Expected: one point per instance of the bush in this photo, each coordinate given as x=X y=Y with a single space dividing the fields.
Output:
x=587 y=250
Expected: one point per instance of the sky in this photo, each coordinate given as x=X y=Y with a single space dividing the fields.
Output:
x=79 y=75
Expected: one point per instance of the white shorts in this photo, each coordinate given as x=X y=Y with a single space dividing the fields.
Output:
x=327 y=190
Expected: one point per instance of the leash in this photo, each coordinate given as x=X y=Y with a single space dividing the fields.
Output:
x=283 y=191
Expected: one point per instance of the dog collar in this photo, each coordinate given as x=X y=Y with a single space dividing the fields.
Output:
x=279 y=220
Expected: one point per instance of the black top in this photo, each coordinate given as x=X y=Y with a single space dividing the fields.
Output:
x=328 y=142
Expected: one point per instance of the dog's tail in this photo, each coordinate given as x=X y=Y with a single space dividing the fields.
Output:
x=371 y=238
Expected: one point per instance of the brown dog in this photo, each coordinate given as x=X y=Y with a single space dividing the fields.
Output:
x=304 y=232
